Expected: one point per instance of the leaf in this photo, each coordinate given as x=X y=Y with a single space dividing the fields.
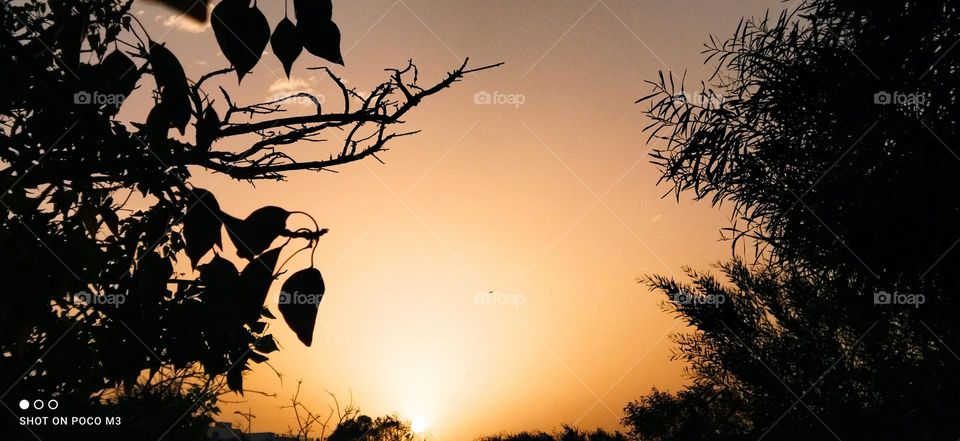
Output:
x=208 y=128
x=286 y=44
x=88 y=216
x=320 y=38
x=70 y=36
x=300 y=299
x=157 y=126
x=255 y=281
x=320 y=10
x=201 y=225
x=172 y=83
x=195 y=9
x=267 y=344
x=255 y=233
x=117 y=75
x=111 y=219
x=235 y=378
x=242 y=33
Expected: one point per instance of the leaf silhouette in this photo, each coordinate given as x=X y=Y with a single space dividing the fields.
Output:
x=255 y=233
x=195 y=9
x=116 y=75
x=172 y=83
x=242 y=33
x=300 y=299
x=208 y=128
x=320 y=38
x=320 y=10
x=267 y=344
x=255 y=281
x=201 y=225
x=285 y=43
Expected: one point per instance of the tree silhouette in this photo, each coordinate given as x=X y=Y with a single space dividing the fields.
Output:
x=830 y=129
x=568 y=433
x=99 y=218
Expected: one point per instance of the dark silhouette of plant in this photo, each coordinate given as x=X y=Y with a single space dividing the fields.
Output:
x=99 y=219
x=831 y=130
x=568 y=433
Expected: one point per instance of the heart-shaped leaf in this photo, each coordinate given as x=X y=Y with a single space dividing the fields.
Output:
x=300 y=299
x=255 y=281
x=255 y=233
x=172 y=83
x=320 y=10
x=242 y=33
x=320 y=38
x=285 y=43
x=201 y=224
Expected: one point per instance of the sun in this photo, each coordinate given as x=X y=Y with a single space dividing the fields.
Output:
x=418 y=425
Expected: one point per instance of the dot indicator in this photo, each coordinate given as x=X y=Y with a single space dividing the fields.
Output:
x=24 y=404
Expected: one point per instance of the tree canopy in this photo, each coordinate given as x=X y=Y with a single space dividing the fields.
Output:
x=113 y=266
x=830 y=130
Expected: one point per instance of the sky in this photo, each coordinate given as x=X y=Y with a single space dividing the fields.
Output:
x=545 y=197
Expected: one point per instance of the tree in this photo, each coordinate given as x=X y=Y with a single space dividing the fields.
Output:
x=99 y=218
x=568 y=433
x=830 y=130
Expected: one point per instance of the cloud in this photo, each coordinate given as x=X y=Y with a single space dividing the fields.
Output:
x=183 y=23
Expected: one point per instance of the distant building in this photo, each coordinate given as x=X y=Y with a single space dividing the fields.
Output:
x=223 y=431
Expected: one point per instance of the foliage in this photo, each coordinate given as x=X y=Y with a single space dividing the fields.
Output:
x=112 y=265
x=847 y=197
x=568 y=433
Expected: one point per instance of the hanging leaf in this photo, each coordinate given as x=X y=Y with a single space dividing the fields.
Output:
x=69 y=37
x=255 y=233
x=255 y=281
x=221 y=282
x=201 y=225
x=235 y=378
x=320 y=10
x=157 y=126
x=286 y=44
x=242 y=33
x=208 y=128
x=118 y=76
x=172 y=83
x=195 y=9
x=300 y=299
x=320 y=38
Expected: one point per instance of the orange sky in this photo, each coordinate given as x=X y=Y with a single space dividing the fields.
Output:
x=552 y=202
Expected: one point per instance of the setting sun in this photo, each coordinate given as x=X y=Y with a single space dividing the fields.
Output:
x=418 y=425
